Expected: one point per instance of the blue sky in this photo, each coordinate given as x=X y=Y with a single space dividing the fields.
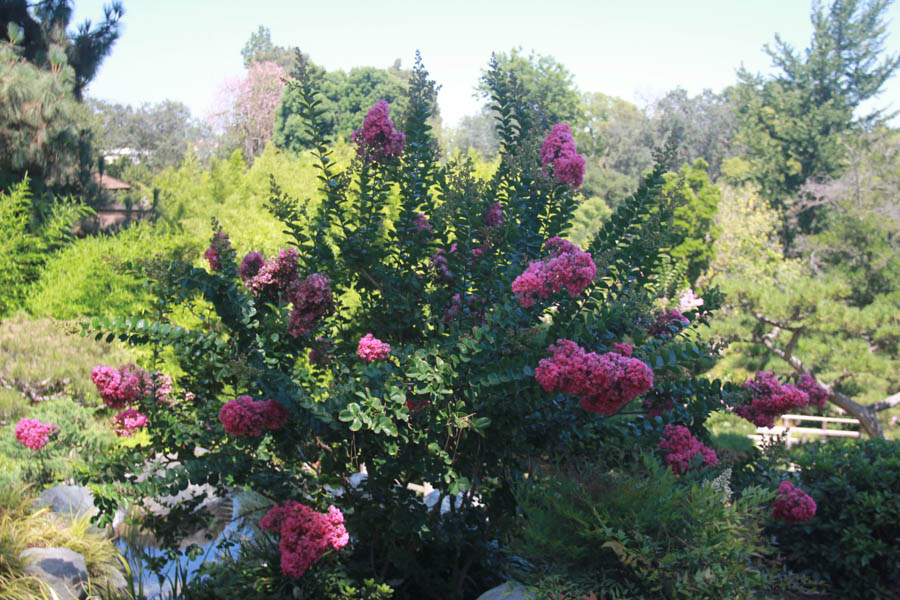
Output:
x=638 y=49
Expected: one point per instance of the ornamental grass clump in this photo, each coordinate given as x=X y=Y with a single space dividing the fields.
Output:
x=404 y=334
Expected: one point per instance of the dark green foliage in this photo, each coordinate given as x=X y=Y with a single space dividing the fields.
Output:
x=646 y=533
x=456 y=403
x=694 y=227
x=853 y=540
x=345 y=98
x=44 y=69
x=547 y=87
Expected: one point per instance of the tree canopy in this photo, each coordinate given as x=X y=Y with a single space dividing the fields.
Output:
x=792 y=124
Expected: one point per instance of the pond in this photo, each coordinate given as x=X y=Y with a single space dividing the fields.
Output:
x=158 y=578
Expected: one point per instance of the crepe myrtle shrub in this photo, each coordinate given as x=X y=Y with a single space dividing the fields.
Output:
x=416 y=362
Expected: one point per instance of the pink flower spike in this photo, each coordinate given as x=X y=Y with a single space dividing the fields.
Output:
x=558 y=151
x=378 y=140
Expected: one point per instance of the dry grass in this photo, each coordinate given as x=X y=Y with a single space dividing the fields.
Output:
x=41 y=357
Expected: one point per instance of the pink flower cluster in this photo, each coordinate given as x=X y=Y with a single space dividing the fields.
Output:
x=792 y=505
x=128 y=421
x=312 y=300
x=306 y=535
x=568 y=268
x=272 y=278
x=817 y=394
x=218 y=247
x=770 y=399
x=251 y=265
x=494 y=216
x=688 y=301
x=245 y=416
x=559 y=150
x=682 y=448
x=604 y=382
x=422 y=223
x=279 y=279
x=623 y=348
x=33 y=434
x=371 y=348
x=378 y=140
x=665 y=319
x=441 y=264
x=129 y=384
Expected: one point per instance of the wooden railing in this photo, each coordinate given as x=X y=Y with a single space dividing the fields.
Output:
x=788 y=430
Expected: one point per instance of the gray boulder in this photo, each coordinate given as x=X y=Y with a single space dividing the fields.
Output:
x=68 y=501
x=62 y=569
x=508 y=591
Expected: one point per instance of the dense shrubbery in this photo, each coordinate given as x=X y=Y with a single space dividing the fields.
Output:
x=80 y=438
x=853 y=541
x=402 y=334
x=643 y=532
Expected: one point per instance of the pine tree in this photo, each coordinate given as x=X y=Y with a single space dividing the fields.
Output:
x=792 y=124
x=44 y=25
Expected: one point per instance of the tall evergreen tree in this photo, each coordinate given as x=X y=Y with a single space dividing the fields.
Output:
x=44 y=69
x=791 y=124
x=45 y=24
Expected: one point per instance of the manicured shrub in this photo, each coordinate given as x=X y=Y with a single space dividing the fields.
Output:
x=852 y=542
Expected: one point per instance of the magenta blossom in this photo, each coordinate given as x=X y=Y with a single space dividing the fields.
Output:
x=494 y=216
x=251 y=265
x=244 y=416
x=683 y=448
x=274 y=278
x=33 y=434
x=665 y=319
x=792 y=505
x=218 y=247
x=371 y=348
x=128 y=421
x=817 y=394
x=378 y=140
x=604 y=382
x=306 y=535
x=558 y=151
x=312 y=300
x=568 y=268
x=770 y=399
